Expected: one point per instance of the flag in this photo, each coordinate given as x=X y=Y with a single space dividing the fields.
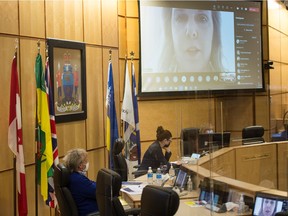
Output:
x=111 y=119
x=127 y=113
x=135 y=136
x=51 y=201
x=43 y=134
x=15 y=139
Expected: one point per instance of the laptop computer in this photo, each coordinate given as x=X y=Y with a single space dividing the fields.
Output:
x=269 y=203
x=181 y=180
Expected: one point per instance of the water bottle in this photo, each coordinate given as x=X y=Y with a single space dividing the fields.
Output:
x=158 y=177
x=171 y=171
x=150 y=176
x=189 y=184
x=172 y=174
x=241 y=204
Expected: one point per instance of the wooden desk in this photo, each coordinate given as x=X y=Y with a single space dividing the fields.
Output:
x=135 y=200
x=185 y=209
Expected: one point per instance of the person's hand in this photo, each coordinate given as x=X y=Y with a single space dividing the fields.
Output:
x=167 y=149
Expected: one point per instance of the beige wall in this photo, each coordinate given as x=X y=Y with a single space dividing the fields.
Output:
x=112 y=24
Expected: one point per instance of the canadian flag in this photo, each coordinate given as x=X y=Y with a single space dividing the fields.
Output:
x=15 y=139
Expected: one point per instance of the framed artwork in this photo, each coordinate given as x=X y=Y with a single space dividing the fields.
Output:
x=68 y=75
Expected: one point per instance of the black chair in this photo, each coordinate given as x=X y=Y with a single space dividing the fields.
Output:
x=64 y=197
x=156 y=200
x=120 y=164
x=252 y=135
x=107 y=192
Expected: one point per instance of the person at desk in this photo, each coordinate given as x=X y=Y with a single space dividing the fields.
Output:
x=154 y=156
x=82 y=189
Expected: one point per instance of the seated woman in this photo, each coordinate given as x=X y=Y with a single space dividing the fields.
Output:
x=120 y=165
x=82 y=189
x=154 y=156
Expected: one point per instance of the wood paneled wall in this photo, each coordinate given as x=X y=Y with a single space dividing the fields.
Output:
x=104 y=25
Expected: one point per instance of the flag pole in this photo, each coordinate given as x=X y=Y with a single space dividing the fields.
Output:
x=37 y=147
x=14 y=186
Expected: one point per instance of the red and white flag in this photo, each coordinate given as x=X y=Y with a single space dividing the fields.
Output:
x=15 y=139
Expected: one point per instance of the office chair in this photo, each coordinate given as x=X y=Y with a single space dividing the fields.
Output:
x=252 y=135
x=156 y=200
x=64 y=197
x=107 y=193
x=120 y=164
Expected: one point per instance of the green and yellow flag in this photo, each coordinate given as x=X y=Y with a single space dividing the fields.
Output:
x=43 y=131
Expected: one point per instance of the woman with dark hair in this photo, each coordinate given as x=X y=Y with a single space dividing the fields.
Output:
x=268 y=207
x=154 y=156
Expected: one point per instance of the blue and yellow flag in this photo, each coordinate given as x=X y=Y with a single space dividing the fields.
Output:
x=43 y=131
x=111 y=119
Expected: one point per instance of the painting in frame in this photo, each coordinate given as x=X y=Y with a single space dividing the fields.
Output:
x=68 y=76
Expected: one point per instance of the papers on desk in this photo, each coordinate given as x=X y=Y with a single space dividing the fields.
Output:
x=133 y=189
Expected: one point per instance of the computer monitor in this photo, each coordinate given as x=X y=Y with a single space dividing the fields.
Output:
x=213 y=141
x=269 y=203
x=213 y=191
x=189 y=140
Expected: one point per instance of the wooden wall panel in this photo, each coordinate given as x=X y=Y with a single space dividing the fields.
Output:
x=132 y=8
x=110 y=23
x=31 y=18
x=7 y=50
x=262 y=114
x=236 y=107
x=256 y=164
x=97 y=159
x=275 y=79
x=194 y=113
x=122 y=38
x=284 y=69
x=6 y=194
x=92 y=22
x=122 y=8
x=284 y=45
x=167 y=116
x=283 y=20
x=132 y=36
x=9 y=20
x=28 y=55
x=71 y=135
x=223 y=165
x=274 y=45
x=64 y=19
x=95 y=98
x=274 y=16
x=282 y=166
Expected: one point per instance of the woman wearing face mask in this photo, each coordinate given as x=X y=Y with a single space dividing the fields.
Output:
x=154 y=156
x=82 y=189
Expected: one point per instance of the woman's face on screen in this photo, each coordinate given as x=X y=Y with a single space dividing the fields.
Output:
x=268 y=207
x=192 y=33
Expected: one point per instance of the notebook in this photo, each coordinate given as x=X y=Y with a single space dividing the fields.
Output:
x=277 y=203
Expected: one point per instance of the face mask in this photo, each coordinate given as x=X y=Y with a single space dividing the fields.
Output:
x=86 y=167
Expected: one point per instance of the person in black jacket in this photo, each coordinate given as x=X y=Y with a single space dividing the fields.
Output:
x=154 y=156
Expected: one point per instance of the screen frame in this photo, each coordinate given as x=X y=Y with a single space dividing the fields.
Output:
x=206 y=92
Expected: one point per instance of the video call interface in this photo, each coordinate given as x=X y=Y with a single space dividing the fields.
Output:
x=241 y=49
x=279 y=204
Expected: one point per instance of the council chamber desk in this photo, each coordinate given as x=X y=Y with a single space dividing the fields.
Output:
x=240 y=167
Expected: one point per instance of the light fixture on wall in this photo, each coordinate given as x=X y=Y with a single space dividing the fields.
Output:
x=285 y=2
x=268 y=65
